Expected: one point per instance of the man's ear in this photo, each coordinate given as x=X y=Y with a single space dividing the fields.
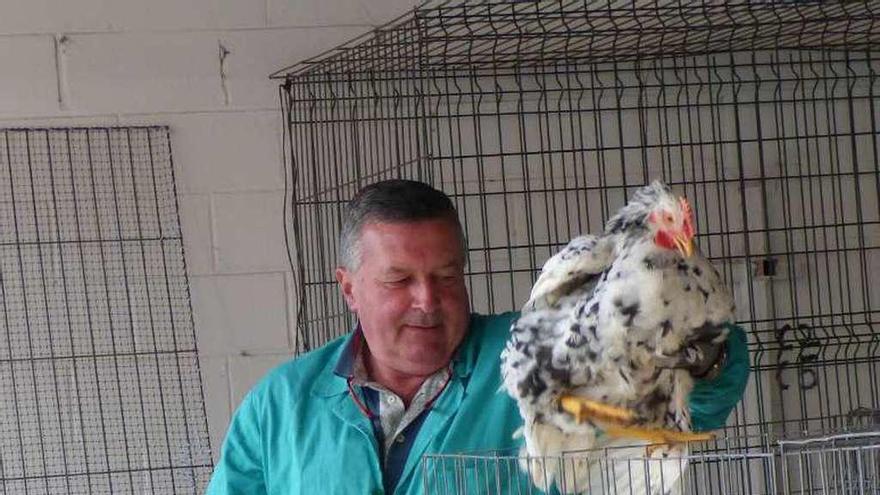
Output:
x=346 y=284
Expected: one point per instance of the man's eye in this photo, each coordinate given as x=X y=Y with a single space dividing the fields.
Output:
x=396 y=282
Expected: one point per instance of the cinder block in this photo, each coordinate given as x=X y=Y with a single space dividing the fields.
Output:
x=246 y=371
x=240 y=313
x=215 y=384
x=28 y=85
x=336 y=12
x=255 y=54
x=145 y=72
x=51 y=16
x=60 y=121
x=225 y=151
x=195 y=219
x=248 y=232
x=192 y=14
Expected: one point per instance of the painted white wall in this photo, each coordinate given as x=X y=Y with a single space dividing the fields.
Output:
x=129 y=62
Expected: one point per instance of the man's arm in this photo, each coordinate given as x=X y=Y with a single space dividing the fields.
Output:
x=711 y=401
x=240 y=468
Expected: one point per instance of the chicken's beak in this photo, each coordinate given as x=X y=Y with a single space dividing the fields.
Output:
x=684 y=245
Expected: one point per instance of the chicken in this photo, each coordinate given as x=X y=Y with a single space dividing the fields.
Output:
x=606 y=349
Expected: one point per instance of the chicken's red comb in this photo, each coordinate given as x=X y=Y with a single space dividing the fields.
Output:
x=686 y=207
x=688 y=216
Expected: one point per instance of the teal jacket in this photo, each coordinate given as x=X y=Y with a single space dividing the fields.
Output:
x=299 y=432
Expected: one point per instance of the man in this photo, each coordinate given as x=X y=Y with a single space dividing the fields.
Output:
x=418 y=375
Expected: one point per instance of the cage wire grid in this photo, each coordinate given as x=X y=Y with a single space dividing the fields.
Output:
x=540 y=119
x=99 y=372
x=840 y=463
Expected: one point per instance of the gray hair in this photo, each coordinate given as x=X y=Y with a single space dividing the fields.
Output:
x=392 y=201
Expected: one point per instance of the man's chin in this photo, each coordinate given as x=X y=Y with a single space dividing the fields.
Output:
x=425 y=361
x=426 y=348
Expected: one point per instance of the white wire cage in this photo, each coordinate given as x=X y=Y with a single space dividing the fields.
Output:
x=843 y=463
x=847 y=463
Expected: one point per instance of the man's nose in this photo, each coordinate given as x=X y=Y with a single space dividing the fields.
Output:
x=425 y=296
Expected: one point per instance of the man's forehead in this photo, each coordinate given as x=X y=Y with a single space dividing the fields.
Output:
x=412 y=231
x=438 y=222
x=391 y=267
x=394 y=244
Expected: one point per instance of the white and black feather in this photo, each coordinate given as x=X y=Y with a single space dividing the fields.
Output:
x=610 y=319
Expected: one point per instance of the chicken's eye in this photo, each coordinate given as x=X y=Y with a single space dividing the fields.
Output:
x=668 y=218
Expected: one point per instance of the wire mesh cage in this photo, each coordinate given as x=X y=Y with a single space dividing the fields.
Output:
x=846 y=463
x=540 y=119
x=742 y=471
x=100 y=390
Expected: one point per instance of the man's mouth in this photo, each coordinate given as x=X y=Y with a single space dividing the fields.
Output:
x=422 y=327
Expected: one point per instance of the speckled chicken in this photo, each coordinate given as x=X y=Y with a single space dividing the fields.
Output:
x=605 y=352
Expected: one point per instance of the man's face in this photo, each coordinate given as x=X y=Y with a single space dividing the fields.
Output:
x=409 y=294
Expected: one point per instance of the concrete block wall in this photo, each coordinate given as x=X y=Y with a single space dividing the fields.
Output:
x=200 y=67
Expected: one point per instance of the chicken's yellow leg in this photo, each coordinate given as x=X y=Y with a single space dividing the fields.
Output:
x=657 y=435
x=586 y=409
x=617 y=422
